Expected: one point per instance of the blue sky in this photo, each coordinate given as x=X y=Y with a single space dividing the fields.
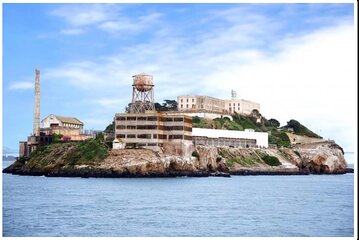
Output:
x=297 y=60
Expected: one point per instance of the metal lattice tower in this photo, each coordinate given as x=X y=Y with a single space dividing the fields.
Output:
x=142 y=94
x=36 y=128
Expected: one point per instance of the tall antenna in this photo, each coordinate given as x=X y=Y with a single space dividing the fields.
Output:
x=36 y=128
x=233 y=94
x=142 y=94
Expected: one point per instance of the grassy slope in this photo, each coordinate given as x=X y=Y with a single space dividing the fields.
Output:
x=57 y=155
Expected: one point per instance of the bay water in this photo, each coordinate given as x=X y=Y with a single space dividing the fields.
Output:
x=240 y=206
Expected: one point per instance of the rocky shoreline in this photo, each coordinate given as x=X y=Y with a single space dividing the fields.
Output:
x=320 y=158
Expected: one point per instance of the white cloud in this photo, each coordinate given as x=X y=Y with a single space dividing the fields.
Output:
x=85 y=14
x=72 y=31
x=310 y=78
x=21 y=86
x=106 y=17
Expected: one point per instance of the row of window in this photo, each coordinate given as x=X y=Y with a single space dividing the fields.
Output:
x=154 y=127
x=161 y=119
x=234 y=104
x=71 y=125
x=234 y=109
x=133 y=118
x=186 y=100
x=154 y=136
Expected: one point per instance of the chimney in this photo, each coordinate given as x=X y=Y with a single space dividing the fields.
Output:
x=36 y=129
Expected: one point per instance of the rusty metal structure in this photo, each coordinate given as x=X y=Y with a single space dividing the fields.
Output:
x=142 y=94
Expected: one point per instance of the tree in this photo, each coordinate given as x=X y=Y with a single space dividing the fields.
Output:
x=171 y=104
x=274 y=122
x=255 y=113
x=110 y=128
x=167 y=105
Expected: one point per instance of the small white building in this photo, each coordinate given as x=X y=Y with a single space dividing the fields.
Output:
x=58 y=121
x=245 y=138
x=117 y=144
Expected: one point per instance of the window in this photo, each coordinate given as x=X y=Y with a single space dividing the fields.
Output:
x=131 y=127
x=131 y=118
x=152 y=118
x=178 y=119
x=146 y=127
x=144 y=136
x=120 y=136
x=186 y=105
x=167 y=119
x=181 y=100
x=187 y=100
x=120 y=118
x=192 y=99
x=131 y=136
x=229 y=104
x=181 y=105
x=175 y=136
x=160 y=136
x=174 y=128
x=120 y=127
x=141 y=118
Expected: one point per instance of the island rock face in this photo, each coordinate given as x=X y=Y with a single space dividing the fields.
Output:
x=324 y=157
x=313 y=158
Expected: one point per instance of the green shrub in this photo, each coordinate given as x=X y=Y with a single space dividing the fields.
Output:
x=271 y=160
x=195 y=154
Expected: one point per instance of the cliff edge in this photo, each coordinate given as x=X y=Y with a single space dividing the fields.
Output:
x=91 y=159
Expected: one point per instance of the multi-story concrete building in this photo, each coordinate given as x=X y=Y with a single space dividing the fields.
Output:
x=216 y=105
x=152 y=129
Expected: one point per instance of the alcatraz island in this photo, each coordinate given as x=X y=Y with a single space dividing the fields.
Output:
x=193 y=136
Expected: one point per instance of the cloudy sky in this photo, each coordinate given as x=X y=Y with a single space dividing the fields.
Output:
x=297 y=60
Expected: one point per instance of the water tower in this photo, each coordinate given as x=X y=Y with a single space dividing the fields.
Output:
x=142 y=93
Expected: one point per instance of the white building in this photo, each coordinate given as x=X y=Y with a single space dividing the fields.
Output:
x=216 y=137
x=58 y=121
x=208 y=104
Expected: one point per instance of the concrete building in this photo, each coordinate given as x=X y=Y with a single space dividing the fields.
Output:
x=198 y=104
x=241 y=106
x=241 y=139
x=152 y=129
x=62 y=125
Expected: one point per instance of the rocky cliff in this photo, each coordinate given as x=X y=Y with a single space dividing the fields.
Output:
x=316 y=158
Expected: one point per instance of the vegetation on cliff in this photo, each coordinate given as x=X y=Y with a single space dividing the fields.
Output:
x=299 y=129
x=87 y=152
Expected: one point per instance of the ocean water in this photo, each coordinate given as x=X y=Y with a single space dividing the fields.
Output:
x=314 y=205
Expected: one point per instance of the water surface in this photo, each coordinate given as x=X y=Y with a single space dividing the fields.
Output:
x=314 y=205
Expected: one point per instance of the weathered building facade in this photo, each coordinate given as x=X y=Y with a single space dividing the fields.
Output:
x=216 y=105
x=152 y=129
